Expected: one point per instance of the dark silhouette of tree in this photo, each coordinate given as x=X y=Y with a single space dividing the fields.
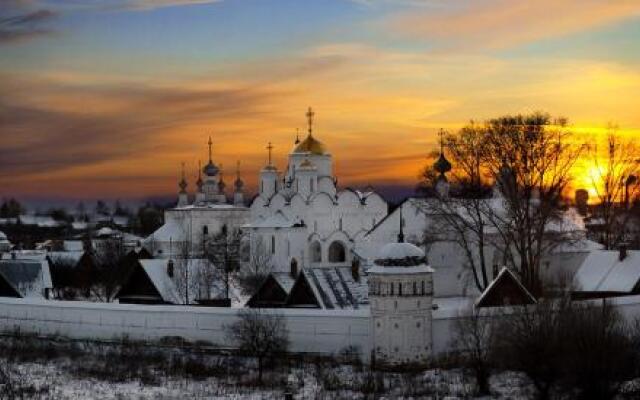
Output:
x=11 y=208
x=529 y=159
x=473 y=338
x=102 y=208
x=615 y=172
x=149 y=218
x=259 y=334
x=223 y=252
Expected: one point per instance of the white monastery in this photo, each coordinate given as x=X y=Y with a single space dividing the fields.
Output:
x=300 y=217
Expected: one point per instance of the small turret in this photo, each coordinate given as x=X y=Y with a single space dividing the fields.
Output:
x=183 y=197
x=199 y=185
x=238 y=193
x=401 y=294
x=269 y=177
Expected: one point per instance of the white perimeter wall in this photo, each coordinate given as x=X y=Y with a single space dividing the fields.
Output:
x=310 y=331
x=314 y=331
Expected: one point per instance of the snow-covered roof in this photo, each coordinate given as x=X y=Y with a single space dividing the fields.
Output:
x=399 y=251
x=284 y=279
x=336 y=288
x=120 y=220
x=504 y=272
x=603 y=271
x=173 y=291
x=30 y=278
x=73 y=245
x=106 y=231
x=211 y=206
x=65 y=256
x=169 y=231
x=400 y=258
x=3 y=237
x=42 y=221
x=25 y=255
x=79 y=225
x=156 y=270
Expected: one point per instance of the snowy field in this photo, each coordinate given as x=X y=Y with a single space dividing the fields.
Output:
x=36 y=368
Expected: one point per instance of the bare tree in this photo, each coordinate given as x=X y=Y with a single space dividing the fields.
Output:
x=255 y=271
x=223 y=251
x=530 y=157
x=107 y=274
x=259 y=334
x=599 y=353
x=615 y=180
x=473 y=338
x=530 y=340
x=186 y=271
x=462 y=217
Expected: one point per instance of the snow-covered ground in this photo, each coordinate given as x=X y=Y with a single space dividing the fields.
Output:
x=52 y=381
x=44 y=369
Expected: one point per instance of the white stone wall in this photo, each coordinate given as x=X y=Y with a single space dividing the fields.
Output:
x=310 y=331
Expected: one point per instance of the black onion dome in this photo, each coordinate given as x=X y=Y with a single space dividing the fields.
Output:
x=210 y=169
x=442 y=165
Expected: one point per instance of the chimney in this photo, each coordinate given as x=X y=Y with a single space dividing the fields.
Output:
x=623 y=252
x=170 y=268
x=355 y=270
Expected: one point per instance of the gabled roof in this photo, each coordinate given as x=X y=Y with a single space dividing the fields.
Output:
x=173 y=291
x=506 y=286
x=169 y=231
x=29 y=278
x=603 y=271
x=273 y=291
x=71 y=257
x=334 y=288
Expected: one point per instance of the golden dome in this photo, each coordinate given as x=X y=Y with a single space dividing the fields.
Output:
x=311 y=145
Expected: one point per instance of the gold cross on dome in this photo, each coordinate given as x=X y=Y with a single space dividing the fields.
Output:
x=269 y=147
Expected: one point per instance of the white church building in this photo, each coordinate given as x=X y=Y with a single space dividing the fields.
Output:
x=301 y=219
x=196 y=218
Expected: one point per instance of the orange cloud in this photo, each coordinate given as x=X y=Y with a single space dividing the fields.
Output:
x=499 y=24
x=83 y=135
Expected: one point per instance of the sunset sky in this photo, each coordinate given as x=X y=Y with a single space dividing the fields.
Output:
x=105 y=98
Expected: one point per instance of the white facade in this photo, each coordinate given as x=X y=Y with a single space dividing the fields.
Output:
x=188 y=226
x=300 y=215
x=400 y=296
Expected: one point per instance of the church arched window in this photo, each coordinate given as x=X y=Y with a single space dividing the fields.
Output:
x=415 y=288
x=205 y=230
x=400 y=289
x=337 y=252
x=273 y=244
x=340 y=223
x=315 y=252
x=311 y=185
